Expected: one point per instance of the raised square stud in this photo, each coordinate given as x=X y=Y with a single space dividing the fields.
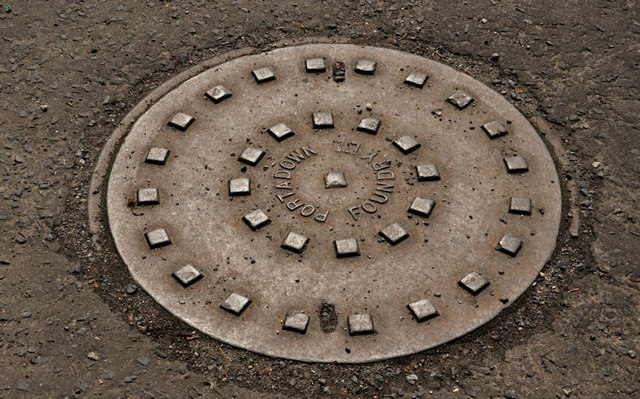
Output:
x=181 y=121
x=473 y=282
x=157 y=238
x=147 y=196
x=369 y=125
x=422 y=310
x=520 y=205
x=494 y=129
x=263 y=74
x=335 y=180
x=315 y=65
x=406 y=144
x=427 y=172
x=157 y=156
x=365 y=67
x=360 y=324
x=516 y=164
x=295 y=242
x=421 y=206
x=394 y=233
x=460 y=99
x=256 y=219
x=235 y=303
x=297 y=322
x=251 y=156
x=322 y=120
x=281 y=132
x=217 y=94
x=346 y=247
x=510 y=245
x=187 y=275
x=417 y=79
x=240 y=186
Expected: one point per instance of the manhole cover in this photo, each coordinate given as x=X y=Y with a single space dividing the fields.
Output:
x=333 y=203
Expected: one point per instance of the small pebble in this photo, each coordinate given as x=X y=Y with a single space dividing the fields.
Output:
x=22 y=386
x=411 y=378
x=143 y=360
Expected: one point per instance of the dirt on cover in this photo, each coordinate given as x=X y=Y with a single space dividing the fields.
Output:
x=74 y=324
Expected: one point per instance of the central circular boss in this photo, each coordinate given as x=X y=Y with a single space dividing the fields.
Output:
x=302 y=178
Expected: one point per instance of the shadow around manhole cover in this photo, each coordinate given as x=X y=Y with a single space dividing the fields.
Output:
x=333 y=203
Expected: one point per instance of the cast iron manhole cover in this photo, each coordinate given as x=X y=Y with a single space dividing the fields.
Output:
x=333 y=203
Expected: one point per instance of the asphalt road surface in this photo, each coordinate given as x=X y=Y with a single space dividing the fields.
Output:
x=74 y=324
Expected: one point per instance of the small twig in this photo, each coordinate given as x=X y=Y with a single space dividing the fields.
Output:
x=225 y=355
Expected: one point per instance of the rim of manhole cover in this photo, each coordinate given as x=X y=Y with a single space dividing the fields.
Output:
x=333 y=203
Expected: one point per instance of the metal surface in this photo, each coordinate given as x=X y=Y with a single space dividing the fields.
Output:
x=271 y=240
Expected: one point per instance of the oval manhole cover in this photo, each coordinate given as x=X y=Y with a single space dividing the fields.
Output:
x=333 y=203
